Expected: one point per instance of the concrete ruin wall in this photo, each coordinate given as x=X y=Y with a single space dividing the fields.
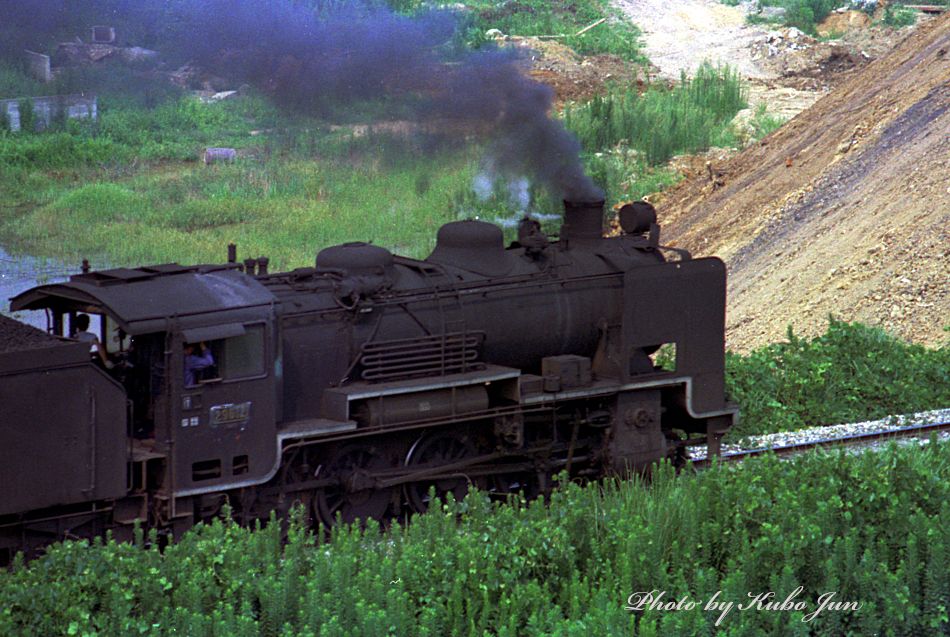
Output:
x=47 y=109
x=39 y=65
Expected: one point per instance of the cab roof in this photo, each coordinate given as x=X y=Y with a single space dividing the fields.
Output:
x=156 y=298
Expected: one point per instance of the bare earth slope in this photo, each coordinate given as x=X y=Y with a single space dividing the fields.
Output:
x=845 y=210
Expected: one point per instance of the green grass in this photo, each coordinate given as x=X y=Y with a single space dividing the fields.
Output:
x=286 y=209
x=661 y=123
x=127 y=131
x=625 y=176
x=851 y=373
x=15 y=83
x=807 y=14
x=129 y=188
x=873 y=528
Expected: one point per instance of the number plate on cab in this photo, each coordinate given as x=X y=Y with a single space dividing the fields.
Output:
x=230 y=414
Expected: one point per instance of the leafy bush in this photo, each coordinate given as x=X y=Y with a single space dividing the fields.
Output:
x=851 y=373
x=873 y=528
x=801 y=14
x=50 y=151
x=896 y=15
x=662 y=122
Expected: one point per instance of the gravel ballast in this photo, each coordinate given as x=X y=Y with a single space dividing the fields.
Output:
x=815 y=434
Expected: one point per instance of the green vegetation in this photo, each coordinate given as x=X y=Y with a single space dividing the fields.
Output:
x=897 y=15
x=286 y=210
x=558 y=17
x=804 y=15
x=807 y=14
x=129 y=187
x=764 y=123
x=692 y=116
x=132 y=183
x=851 y=373
x=14 y=83
x=872 y=528
x=625 y=176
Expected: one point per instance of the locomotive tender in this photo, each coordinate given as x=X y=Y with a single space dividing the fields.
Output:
x=355 y=386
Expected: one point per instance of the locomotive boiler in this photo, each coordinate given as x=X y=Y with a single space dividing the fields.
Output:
x=363 y=384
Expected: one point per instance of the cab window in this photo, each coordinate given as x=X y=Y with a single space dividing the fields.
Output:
x=233 y=357
x=241 y=356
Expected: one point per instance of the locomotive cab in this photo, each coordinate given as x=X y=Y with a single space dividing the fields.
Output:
x=188 y=430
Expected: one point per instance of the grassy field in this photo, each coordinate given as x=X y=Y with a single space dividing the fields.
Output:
x=872 y=529
x=660 y=123
x=286 y=208
x=129 y=188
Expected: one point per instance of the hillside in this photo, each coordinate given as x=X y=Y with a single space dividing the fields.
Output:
x=845 y=210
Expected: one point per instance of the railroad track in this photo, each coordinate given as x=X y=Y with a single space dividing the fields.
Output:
x=855 y=440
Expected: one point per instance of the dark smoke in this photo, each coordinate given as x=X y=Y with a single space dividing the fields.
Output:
x=311 y=60
x=321 y=55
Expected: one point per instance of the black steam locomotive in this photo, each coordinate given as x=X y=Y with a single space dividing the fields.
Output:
x=356 y=386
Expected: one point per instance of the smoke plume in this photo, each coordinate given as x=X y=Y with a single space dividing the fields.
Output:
x=321 y=55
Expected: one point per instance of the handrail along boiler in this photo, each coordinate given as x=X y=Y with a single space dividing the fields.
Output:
x=356 y=385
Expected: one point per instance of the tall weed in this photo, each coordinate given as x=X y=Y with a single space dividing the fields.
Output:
x=661 y=122
x=872 y=528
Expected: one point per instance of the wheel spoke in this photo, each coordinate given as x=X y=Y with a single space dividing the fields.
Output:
x=433 y=451
x=352 y=465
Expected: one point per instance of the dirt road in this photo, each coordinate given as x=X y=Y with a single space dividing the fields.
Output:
x=680 y=34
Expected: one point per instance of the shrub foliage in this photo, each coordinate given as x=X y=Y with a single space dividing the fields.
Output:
x=873 y=528
x=851 y=373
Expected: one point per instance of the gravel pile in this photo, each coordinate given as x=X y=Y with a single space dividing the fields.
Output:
x=16 y=336
x=814 y=434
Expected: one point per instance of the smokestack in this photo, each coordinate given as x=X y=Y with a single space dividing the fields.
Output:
x=583 y=222
x=249 y=265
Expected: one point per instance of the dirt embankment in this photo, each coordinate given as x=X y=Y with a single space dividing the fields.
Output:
x=845 y=210
x=785 y=69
